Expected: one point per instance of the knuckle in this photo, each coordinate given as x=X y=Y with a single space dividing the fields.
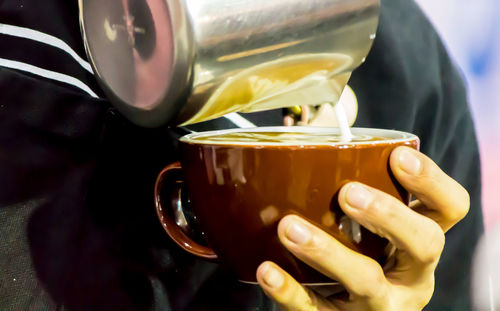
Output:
x=459 y=207
x=318 y=248
x=290 y=294
x=297 y=298
x=318 y=245
x=376 y=286
x=434 y=247
x=427 y=292
x=431 y=175
x=427 y=180
x=424 y=294
x=463 y=205
x=384 y=208
x=376 y=206
x=381 y=203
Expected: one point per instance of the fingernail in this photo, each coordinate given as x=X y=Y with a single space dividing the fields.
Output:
x=358 y=196
x=298 y=233
x=409 y=163
x=272 y=277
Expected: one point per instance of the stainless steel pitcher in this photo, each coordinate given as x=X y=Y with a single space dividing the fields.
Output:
x=186 y=61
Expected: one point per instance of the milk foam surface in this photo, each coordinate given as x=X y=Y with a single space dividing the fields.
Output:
x=287 y=138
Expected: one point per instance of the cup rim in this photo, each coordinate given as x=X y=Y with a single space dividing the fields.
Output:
x=395 y=136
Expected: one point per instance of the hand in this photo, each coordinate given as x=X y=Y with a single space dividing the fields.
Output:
x=417 y=232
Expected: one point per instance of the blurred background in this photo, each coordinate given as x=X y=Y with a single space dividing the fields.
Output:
x=471 y=32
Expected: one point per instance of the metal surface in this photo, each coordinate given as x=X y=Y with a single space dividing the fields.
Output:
x=187 y=61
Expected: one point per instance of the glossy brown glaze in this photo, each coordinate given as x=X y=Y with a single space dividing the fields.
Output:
x=239 y=194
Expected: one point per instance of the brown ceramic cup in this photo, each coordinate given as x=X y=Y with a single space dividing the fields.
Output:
x=237 y=191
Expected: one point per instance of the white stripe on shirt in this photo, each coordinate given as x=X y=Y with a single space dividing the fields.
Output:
x=35 y=35
x=47 y=74
x=235 y=118
x=41 y=37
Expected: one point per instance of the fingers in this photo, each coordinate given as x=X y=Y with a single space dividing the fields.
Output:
x=436 y=190
x=330 y=257
x=421 y=237
x=288 y=293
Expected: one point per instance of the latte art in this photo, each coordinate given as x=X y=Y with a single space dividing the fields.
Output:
x=288 y=138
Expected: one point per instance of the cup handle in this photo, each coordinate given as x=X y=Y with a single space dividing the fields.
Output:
x=173 y=230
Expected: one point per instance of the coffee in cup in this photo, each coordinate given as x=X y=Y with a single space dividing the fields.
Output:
x=242 y=182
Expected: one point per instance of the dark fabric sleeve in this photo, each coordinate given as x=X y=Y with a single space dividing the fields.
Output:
x=77 y=224
x=78 y=229
x=409 y=83
x=48 y=139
